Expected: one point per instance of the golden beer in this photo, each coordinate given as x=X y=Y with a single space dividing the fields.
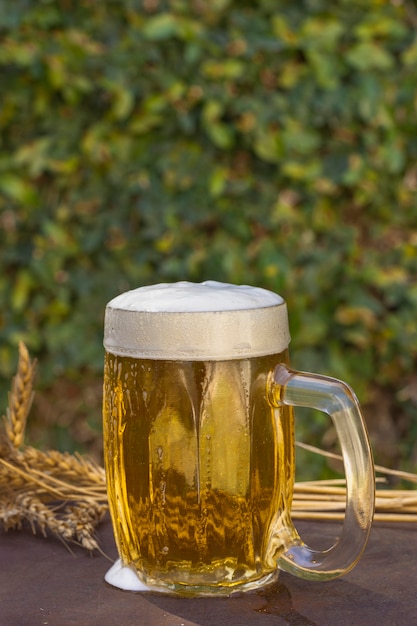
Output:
x=199 y=442
x=196 y=472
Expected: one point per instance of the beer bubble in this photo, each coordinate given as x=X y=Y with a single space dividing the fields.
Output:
x=163 y=488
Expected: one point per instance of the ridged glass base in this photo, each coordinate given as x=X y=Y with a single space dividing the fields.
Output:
x=126 y=578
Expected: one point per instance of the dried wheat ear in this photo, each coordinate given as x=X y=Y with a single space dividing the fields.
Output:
x=52 y=491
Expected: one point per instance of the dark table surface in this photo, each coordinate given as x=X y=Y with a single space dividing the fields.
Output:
x=43 y=583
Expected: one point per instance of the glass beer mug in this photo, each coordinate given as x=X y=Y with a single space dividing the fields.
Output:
x=199 y=442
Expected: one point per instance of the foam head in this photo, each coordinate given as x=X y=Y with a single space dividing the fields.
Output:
x=196 y=321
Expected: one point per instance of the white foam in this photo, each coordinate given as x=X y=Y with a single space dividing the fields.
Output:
x=124 y=577
x=185 y=296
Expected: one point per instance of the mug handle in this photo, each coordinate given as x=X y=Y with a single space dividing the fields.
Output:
x=289 y=387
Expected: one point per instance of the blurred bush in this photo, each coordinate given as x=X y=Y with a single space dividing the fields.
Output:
x=252 y=142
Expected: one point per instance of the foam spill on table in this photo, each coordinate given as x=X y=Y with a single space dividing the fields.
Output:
x=124 y=577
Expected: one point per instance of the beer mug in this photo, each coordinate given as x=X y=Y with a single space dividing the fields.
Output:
x=199 y=442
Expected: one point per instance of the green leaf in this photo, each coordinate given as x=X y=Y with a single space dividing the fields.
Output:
x=409 y=56
x=322 y=33
x=368 y=56
x=283 y=30
x=213 y=109
x=34 y=155
x=18 y=188
x=144 y=122
x=21 y=290
x=160 y=27
x=226 y=69
x=377 y=25
x=302 y=171
x=268 y=145
x=221 y=134
x=218 y=181
x=298 y=138
x=123 y=103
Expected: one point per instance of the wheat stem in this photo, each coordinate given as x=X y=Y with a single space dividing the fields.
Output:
x=378 y=468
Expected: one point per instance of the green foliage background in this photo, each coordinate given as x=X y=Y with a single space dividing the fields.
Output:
x=258 y=142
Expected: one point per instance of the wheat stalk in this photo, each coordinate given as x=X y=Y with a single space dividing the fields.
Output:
x=408 y=476
x=326 y=500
